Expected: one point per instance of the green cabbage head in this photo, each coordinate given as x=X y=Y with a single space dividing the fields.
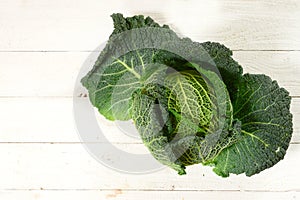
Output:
x=190 y=101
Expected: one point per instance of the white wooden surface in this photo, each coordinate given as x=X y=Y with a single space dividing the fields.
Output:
x=43 y=45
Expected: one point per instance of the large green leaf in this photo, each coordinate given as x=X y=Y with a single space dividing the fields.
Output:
x=112 y=85
x=122 y=66
x=263 y=108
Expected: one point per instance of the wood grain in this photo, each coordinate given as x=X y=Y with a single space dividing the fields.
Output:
x=118 y=194
x=82 y=25
x=70 y=166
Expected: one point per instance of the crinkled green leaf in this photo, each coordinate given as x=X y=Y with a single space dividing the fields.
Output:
x=263 y=108
x=152 y=121
x=122 y=66
x=229 y=69
x=192 y=119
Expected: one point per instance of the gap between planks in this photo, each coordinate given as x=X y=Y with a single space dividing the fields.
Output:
x=89 y=51
x=295 y=143
x=67 y=97
x=145 y=190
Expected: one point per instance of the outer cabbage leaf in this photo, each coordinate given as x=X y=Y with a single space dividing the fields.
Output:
x=120 y=70
x=263 y=108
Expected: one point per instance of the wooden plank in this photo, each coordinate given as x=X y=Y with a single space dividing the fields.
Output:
x=39 y=74
x=138 y=195
x=70 y=166
x=83 y=25
x=37 y=120
x=52 y=120
x=54 y=73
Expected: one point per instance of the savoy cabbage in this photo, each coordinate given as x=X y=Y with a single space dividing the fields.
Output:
x=190 y=102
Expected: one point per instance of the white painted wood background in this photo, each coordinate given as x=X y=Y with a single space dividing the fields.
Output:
x=43 y=44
